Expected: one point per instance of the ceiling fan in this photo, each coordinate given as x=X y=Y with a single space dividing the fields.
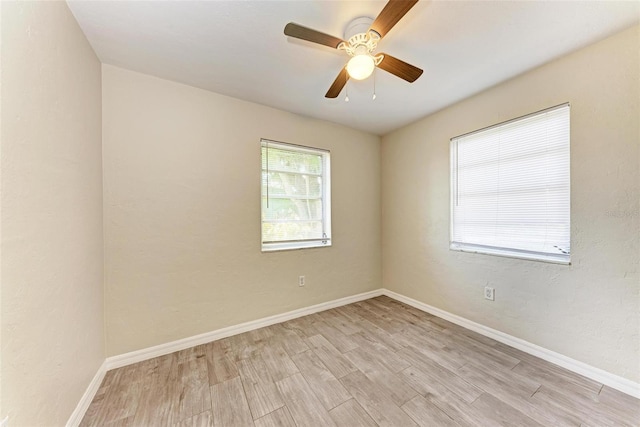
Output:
x=360 y=45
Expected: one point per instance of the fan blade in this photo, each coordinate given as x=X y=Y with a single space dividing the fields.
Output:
x=390 y=15
x=400 y=68
x=304 y=33
x=338 y=84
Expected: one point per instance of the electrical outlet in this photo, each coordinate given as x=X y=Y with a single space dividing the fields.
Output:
x=301 y=281
x=5 y=422
x=489 y=293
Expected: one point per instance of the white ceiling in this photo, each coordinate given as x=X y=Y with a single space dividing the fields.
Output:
x=238 y=48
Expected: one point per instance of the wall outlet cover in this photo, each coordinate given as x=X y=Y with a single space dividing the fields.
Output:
x=489 y=293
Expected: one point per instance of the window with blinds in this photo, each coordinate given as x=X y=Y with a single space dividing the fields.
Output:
x=296 y=196
x=510 y=188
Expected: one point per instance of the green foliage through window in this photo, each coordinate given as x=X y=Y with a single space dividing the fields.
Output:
x=294 y=205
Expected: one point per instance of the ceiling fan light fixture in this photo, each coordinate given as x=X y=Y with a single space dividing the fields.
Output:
x=361 y=66
x=360 y=41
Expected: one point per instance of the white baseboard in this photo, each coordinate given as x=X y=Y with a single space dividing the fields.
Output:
x=614 y=381
x=162 y=349
x=87 y=397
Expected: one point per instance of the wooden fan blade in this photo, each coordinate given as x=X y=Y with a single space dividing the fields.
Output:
x=338 y=84
x=304 y=33
x=390 y=15
x=400 y=68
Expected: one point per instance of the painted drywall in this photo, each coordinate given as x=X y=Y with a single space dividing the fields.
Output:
x=51 y=214
x=589 y=310
x=182 y=213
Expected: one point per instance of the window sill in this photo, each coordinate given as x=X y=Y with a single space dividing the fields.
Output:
x=512 y=253
x=275 y=247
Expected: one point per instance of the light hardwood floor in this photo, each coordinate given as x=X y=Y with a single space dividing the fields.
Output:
x=374 y=363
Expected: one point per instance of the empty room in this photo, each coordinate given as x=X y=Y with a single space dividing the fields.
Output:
x=319 y=213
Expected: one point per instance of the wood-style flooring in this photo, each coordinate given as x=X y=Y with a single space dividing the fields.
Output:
x=374 y=363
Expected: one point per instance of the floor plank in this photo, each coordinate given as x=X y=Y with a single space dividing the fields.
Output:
x=330 y=356
x=393 y=385
x=460 y=411
x=428 y=349
x=261 y=391
x=159 y=396
x=278 y=418
x=324 y=384
x=194 y=395
x=278 y=362
x=304 y=406
x=339 y=340
x=498 y=381
x=220 y=366
x=291 y=340
x=502 y=414
x=203 y=419
x=378 y=317
x=559 y=378
x=340 y=321
x=229 y=404
x=440 y=382
x=623 y=406
x=427 y=414
x=392 y=360
x=352 y=312
x=351 y=414
x=373 y=399
x=489 y=354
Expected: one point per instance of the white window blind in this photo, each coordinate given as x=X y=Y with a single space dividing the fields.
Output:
x=296 y=196
x=510 y=188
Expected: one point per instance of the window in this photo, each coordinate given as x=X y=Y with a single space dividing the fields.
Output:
x=510 y=188
x=296 y=197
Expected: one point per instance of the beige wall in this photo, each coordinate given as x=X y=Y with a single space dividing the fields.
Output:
x=182 y=212
x=588 y=311
x=51 y=214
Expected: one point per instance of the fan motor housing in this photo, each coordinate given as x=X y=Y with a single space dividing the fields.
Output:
x=357 y=26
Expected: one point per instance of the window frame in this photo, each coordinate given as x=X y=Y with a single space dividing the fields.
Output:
x=560 y=258
x=326 y=240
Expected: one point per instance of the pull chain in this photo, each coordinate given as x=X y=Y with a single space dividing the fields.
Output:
x=374 y=85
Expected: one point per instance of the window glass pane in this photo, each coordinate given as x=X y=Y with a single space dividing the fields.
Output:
x=292 y=185
x=284 y=209
x=295 y=197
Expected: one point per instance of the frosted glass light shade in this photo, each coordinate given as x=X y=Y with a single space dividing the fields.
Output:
x=360 y=66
